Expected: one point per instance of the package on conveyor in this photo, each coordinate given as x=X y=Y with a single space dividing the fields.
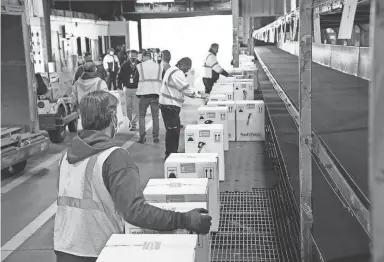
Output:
x=177 y=190
x=218 y=97
x=214 y=115
x=235 y=71
x=231 y=115
x=225 y=89
x=206 y=139
x=244 y=90
x=202 y=248
x=198 y=165
x=149 y=248
x=250 y=121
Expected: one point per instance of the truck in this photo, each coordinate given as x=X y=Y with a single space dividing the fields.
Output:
x=21 y=138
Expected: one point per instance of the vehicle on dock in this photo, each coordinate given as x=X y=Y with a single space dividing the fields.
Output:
x=56 y=111
x=20 y=134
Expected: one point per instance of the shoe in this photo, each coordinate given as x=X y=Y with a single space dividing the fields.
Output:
x=156 y=140
x=181 y=126
x=142 y=140
x=133 y=128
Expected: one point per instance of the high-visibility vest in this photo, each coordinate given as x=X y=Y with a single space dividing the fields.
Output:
x=171 y=94
x=150 y=78
x=86 y=215
x=211 y=64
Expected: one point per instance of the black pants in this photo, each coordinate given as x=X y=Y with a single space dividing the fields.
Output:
x=171 y=117
x=111 y=80
x=208 y=83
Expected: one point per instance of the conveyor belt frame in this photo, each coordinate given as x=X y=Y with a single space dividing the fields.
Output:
x=376 y=131
x=325 y=159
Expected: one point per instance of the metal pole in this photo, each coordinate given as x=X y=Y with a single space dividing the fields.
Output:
x=305 y=129
x=376 y=130
x=235 y=45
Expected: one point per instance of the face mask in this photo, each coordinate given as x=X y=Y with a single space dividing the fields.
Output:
x=111 y=53
x=133 y=60
x=114 y=127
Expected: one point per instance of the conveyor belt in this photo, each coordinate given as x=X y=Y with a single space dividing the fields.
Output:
x=338 y=234
x=339 y=109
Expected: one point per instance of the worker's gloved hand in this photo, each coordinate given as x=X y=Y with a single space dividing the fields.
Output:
x=198 y=221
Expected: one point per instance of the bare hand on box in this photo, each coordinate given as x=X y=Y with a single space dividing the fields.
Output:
x=198 y=221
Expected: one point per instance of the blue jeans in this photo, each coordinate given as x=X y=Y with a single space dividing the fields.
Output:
x=144 y=103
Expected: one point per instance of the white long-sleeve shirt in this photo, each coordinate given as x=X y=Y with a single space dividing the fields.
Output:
x=175 y=87
x=110 y=61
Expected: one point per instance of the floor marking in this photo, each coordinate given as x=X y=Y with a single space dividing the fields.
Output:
x=8 y=248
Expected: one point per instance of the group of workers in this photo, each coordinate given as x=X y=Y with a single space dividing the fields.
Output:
x=99 y=183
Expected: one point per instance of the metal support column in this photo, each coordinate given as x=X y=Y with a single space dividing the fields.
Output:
x=376 y=130
x=305 y=129
x=235 y=45
x=140 y=34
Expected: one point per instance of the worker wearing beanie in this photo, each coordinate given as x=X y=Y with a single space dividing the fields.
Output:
x=111 y=64
x=88 y=82
x=173 y=90
x=212 y=69
x=166 y=59
x=148 y=93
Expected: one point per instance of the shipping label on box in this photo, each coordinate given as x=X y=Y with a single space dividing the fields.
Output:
x=215 y=115
x=218 y=97
x=208 y=139
x=244 y=91
x=250 y=121
x=231 y=115
x=143 y=248
x=177 y=190
x=205 y=166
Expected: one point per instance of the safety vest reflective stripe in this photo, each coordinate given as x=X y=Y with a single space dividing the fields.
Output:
x=87 y=202
x=183 y=88
x=173 y=98
x=142 y=78
x=214 y=64
x=205 y=63
x=98 y=85
x=169 y=78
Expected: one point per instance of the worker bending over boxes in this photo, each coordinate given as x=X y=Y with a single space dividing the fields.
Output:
x=198 y=165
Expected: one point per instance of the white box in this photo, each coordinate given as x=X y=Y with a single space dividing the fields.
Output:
x=231 y=115
x=177 y=190
x=244 y=90
x=226 y=89
x=202 y=248
x=150 y=247
x=250 y=118
x=198 y=165
x=214 y=115
x=206 y=139
x=218 y=97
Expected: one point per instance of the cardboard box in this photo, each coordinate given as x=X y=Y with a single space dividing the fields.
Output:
x=231 y=115
x=206 y=139
x=244 y=90
x=149 y=248
x=202 y=248
x=198 y=165
x=218 y=97
x=177 y=190
x=225 y=89
x=250 y=121
x=214 y=115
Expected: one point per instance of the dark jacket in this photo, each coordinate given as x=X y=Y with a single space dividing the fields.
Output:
x=122 y=180
x=80 y=70
x=125 y=73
